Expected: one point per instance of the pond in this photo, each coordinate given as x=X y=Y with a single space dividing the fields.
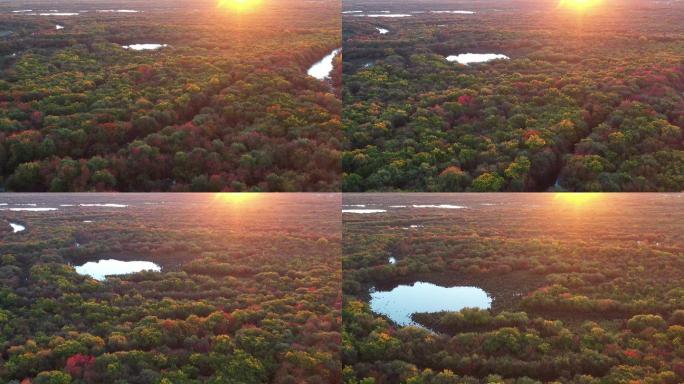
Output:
x=101 y=269
x=144 y=47
x=59 y=14
x=414 y=226
x=34 y=209
x=469 y=58
x=439 y=206
x=17 y=227
x=321 y=70
x=387 y=15
x=455 y=12
x=364 y=211
x=404 y=300
x=117 y=11
x=107 y=205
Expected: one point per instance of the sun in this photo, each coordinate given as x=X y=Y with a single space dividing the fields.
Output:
x=580 y=5
x=239 y=5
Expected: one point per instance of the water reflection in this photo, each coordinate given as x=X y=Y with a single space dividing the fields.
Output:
x=321 y=70
x=145 y=47
x=101 y=269
x=469 y=58
x=364 y=211
x=404 y=300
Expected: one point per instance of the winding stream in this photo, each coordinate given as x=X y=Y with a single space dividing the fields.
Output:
x=321 y=70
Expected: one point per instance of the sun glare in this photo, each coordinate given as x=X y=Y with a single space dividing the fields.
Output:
x=236 y=198
x=239 y=5
x=581 y=200
x=580 y=5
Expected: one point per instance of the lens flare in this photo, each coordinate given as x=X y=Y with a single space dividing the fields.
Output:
x=239 y=5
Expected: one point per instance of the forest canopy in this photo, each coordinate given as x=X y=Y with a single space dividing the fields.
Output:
x=589 y=101
x=248 y=292
x=584 y=289
x=225 y=104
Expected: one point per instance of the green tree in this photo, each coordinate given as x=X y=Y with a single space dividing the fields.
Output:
x=488 y=182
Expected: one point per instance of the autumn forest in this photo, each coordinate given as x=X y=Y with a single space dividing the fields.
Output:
x=572 y=100
x=341 y=191
x=569 y=288
x=223 y=103
x=246 y=289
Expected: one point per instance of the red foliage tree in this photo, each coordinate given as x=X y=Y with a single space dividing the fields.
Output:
x=465 y=100
x=78 y=364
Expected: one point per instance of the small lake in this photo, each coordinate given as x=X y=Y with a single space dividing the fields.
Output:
x=387 y=15
x=117 y=11
x=364 y=211
x=101 y=269
x=106 y=205
x=14 y=209
x=414 y=226
x=144 y=47
x=17 y=227
x=404 y=300
x=58 y=14
x=439 y=206
x=382 y=31
x=455 y=12
x=470 y=58
x=321 y=70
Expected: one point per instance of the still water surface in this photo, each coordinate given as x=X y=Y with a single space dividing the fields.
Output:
x=404 y=300
x=101 y=269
